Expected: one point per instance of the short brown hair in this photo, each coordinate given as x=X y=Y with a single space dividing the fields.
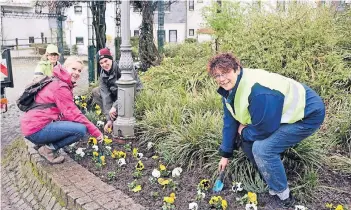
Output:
x=224 y=61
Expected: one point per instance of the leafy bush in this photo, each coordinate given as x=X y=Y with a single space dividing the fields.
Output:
x=190 y=40
x=74 y=49
x=135 y=47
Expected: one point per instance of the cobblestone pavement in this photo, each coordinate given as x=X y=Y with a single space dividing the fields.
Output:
x=10 y=127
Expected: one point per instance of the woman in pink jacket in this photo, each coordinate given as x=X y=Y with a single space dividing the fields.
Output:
x=63 y=124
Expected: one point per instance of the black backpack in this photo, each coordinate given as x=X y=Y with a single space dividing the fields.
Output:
x=27 y=102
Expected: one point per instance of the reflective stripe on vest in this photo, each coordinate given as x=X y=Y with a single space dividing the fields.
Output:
x=294 y=95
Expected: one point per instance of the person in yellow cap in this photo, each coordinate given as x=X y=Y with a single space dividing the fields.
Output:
x=48 y=61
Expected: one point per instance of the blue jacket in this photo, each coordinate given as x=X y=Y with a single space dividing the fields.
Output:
x=265 y=108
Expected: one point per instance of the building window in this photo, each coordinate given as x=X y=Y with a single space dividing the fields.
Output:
x=78 y=10
x=173 y=36
x=191 y=5
x=31 y=39
x=79 y=41
x=191 y=32
x=136 y=32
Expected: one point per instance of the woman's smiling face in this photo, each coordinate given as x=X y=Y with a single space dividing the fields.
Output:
x=226 y=78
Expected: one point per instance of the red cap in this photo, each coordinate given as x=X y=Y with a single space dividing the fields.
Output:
x=104 y=53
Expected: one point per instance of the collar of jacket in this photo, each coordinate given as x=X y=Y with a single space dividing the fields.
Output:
x=229 y=95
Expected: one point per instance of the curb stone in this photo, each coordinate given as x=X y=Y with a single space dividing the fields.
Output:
x=31 y=183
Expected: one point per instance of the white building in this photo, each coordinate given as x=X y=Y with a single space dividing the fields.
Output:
x=20 y=24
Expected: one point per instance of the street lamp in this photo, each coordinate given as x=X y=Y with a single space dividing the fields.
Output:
x=69 y=22
x=123 y=127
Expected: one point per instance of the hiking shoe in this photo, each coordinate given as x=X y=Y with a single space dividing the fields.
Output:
x=49 y=155
x=289 y=202
x=37 y=146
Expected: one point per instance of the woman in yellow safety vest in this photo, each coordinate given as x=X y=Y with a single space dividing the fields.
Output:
x=269 y=113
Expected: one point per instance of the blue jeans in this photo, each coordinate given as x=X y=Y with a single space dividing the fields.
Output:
x=265 y=154
x=59 y=134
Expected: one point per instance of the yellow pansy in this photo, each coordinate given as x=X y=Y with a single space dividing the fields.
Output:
x=155 y=157
x=329 y=205
x=83 y=97
x=139 y=166
x=162 y=167
x=97 y=107
x=205 y=184
x=170 y=199
x=224 y=204
x=98 y=111
x=163 y=181
x=107 y=141
x=135 y=152
x=339 y=207
x=95 y=153
x=109 y=130
x=215 y=200
x=93 y=140
x=103 y=162
x=136 y=188
x=121 y=154
x=252 y=197
x=84 y=105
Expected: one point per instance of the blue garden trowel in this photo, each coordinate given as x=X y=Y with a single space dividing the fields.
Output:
x=218 y=185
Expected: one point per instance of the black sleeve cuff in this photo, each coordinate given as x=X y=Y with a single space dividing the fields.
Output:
x=225 y=154
x=242 y=135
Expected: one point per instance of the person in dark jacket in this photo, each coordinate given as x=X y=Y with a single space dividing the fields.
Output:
x=269 y=112
x=106 y=94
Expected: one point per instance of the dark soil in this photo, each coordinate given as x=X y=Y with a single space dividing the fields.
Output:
x=334 y=188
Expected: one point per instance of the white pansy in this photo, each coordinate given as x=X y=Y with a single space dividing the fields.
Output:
x=121 y=162
x=156 y=173
x=95 y=147
x=76 y=98
x=80 y=152
x=176 y=172
x=140 y=155
x=100 y=123
x=108 y=148
x=237 y=187
x=201 y=195
x=150 y=145
x=300 y=207
x=250 y=207
x=73 y=144
x=193 y=206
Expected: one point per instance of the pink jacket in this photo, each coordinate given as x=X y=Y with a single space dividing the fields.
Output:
x=60 y=93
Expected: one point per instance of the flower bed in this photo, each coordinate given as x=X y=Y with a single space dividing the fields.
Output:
x=139 y=171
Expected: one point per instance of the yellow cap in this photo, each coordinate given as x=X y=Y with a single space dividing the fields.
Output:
x=52 y=49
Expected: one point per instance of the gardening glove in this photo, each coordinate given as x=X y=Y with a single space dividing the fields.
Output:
x=222 y=164
x=108 y=126
x=113 y=113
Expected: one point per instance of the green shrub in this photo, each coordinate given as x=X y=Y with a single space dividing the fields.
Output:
x=74 y=49
x=190 y=40
x=135 y=47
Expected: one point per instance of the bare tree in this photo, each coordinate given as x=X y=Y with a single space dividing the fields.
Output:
x=98 y=9
x=148 y=53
